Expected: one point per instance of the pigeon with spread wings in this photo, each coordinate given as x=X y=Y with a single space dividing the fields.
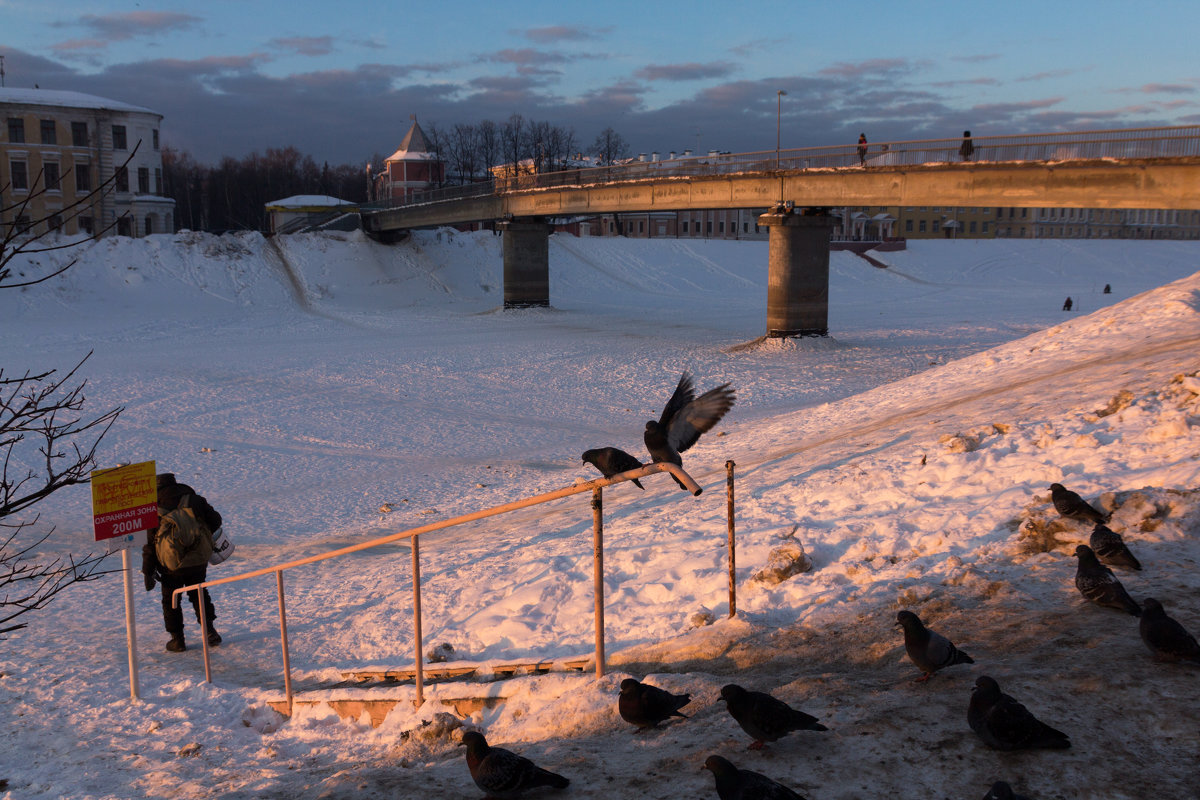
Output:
x=684 y=418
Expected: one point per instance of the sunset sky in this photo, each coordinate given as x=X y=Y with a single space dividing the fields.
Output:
x=340 y=81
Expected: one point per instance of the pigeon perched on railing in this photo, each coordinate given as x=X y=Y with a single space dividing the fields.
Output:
x=1002 y=791
x=1165 y=637
x=929 y=650
x=1004 y=724
x=765 y=718
x=1110 y=548
x=742 y=784
x=502 y=773
x=1097 y=583
x=645 y=706
x=1071 y=505
x=612 y=461
x=683 y=419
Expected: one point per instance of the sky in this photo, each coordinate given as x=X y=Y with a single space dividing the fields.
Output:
x=340 y=81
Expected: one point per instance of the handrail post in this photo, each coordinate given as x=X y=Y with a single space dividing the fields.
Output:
x=420 y=671
x=598 y=574
x=729 y=465
x=283 y=640
x=200 y=592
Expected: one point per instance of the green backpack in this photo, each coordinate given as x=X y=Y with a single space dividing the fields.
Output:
x=182 y=540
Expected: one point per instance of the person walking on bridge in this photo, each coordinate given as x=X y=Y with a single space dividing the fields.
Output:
x=862 y=149
x=968 y=147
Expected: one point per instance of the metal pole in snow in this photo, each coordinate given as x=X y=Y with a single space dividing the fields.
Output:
x=420 y=671
x=598 y=573
x=283 y=640
x=130 y=627
x=729 y=465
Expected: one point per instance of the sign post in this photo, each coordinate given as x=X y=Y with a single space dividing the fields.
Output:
x=124 y=507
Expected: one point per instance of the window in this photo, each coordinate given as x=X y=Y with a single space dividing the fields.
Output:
x=16 y=130
x=118 y=137
x=155 y=136
x=721 y=226
x=50 y=175
x=54 y=223
x=972 y=228
x=20 y=177
x=985 y=228
x=79 y=136
x=745 y=227
x=144 y=180
x=922 y=226
x=908 y=226
x=157 y=181
x=122 y=179
x=641 y=226
x=685 y=222
x=49 y=132
x=85 y=225
x=149 y=224
x=83 y=178
x=124 y=226
x=708 y=227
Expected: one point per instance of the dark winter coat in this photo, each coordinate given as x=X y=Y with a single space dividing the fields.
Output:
x=170 y=492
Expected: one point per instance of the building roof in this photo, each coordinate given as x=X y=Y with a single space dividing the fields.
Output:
x=54 y=97
x=309 y=201
x=415 y=147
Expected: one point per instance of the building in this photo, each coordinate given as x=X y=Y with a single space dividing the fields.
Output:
x=308 y=211
x=57 y=148
x=412 y=168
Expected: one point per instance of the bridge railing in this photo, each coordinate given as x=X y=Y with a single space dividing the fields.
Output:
x=1164 y=142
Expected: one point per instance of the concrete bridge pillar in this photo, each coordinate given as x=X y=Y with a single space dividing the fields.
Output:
x=798 y=277
x=526 y=251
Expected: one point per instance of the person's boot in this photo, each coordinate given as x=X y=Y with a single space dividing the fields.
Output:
x=176 y=645
x=214 y=638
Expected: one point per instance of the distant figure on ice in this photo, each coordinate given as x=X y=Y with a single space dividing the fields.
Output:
x=862 y=149
x=176 y=553
x=1107 y=289
x=1067 y=305
x=968 y=147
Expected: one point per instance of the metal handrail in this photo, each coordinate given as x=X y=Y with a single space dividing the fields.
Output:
x=1160 y=142
x=594 y=486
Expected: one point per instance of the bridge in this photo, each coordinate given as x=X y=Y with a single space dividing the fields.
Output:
x=1131 y=168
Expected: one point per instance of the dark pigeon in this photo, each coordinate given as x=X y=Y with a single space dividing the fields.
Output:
x=765 y=718
x=612 y=461
x=929 y=650
x=502 y=773
x=1165 y=637
x=1004 y=724
x=1069 y=504
x=684 y=418
x=742 y=784
x=1110 y=548
x=645 y=706
x=1097 y=583
x=1002 y=791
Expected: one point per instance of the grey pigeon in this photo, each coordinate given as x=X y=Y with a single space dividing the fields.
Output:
x=1110 y=548
x=929 y=650
x=765 y=718
x=612 y=461
x=1069 y=504
x=645 y=706
x=1004 y=724
x=1002 y=791
x=684 y=418
x=742 y=784
x=1165 y=637
x=1097 y=583
x=502 y=773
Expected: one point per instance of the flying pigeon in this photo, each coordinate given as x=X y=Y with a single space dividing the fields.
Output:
x=502 y=773
x=645 y=706
x=1110 y=548
x=1002 y=791
x=1165 y=637
x=612 y=461
x=742 y=784
x=929 y=650
x=765 y=718
x=1069 y=504
x=1005 y=724
x=1097 y=583
x=684 y=418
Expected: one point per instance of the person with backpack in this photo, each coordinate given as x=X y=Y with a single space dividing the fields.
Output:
x=177 y=552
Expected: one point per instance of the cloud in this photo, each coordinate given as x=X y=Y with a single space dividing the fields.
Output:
x=684 y=72
x=872 y=68
x=976 y=58
x=1041 y=76
x=966 y=82
x=756 y=46
x=1161 y=88
x=120 y=27
x=561 y=33
x=305 y=45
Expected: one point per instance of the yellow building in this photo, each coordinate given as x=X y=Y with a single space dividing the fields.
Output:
x=58 y=147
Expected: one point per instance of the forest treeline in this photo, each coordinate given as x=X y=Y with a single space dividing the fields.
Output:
x=232 y=195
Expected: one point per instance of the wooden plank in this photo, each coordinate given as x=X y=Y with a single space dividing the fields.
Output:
x=433 y=672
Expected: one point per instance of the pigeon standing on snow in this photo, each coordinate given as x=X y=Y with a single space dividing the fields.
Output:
x=1110 y=548
x=1097 y=583
x=1165 y=637
x=765 y=718
x=1004 y=724
x=1002 y=791
x=645 y=706
x=1069 y=504
x=929 y=650
x=502 y=773
x=742 y=784
x=684 y=418
x=612 y=461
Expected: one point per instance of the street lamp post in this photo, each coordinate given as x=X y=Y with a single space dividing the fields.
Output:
x=778 y=114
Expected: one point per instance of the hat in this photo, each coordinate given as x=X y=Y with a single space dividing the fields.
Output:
x=165 y=479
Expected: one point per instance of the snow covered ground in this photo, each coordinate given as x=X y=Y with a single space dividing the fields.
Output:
x=305 y=384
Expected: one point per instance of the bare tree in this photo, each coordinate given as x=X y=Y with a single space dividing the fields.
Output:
x=514 y=142
x=464 y=151
x=609 y=146
x=489 y=144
